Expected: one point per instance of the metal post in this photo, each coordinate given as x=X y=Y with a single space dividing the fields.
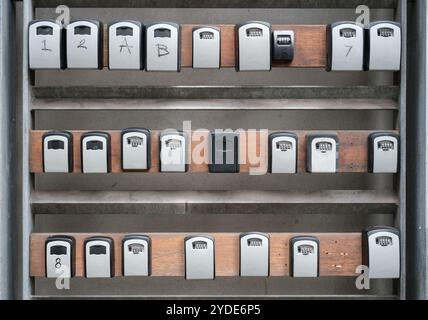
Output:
x=417 y=152
x=26 y=221
x=7 y=154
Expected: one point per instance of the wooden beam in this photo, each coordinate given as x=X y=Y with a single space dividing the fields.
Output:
x=353 y=151
x=309 y=51
x=340 y=253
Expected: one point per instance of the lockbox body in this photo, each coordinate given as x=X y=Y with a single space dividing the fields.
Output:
x=199 y=257
x=136 y=149
x=206 y=48
x=381 y=252
x=99 y=253
x=46 y=45
x=283 y=45
x=224 y=152
x=383 y=152
x=59 y=256
x=57 y=151
x=163 y=47
x=254 y=254
x=383 y=46
x=173 y=151
x=304 y=256
x=125 y=43
x=253 y=46
x=322 y=153
x=346 y=47
x=283 y=152
x=95 y=148
x=84 y=45
x=136 y=255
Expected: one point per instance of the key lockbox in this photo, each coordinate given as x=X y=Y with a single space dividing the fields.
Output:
x=46 y=41
x=136 y=149
x=254 y=254
x=346 y=47
x=59 y=256
x=163 y=47
x=283 y=45
x=383 y=46
x=173 y=151
x=322 y=153
x=206 y=48
x=84 y=45
x=381 y=252
x=57 y=151
x=283 y=152
x=253 y=46
x=199 y=257
x=99 y=253
x=125 y=43
x=224 y=152
x=95 y=148
x=383 y=153
x=304 y=256
x=136 y=255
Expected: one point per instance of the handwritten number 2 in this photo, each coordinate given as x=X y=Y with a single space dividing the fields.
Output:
x=81 y=44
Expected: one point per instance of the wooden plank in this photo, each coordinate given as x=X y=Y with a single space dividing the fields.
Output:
x=340 y=253
x=309 y=50
x=353 y=151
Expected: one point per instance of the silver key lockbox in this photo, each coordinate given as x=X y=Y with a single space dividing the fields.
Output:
x=59 y=256
x=254 y=254
x=283 y=152
x=199 y=257
x=304 y=256
x=346 y=47
x=99 y=253
x=95 y=148
x=173 y=151
x=253 y=47
x=136 y=255
x=381 y=252
x=383 y=153
x=125 y=43
x=163 y=47
x=322 y=153
x=136 y=149
x=46 y=40
x=206 y=48
x=384 y=46
x=84 y=45
x=57 y=151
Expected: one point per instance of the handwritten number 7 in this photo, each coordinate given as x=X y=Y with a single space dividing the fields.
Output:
x=349 y=50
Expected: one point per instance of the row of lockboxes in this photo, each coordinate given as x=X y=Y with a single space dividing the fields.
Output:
x=381 y=253
x=321 y=151
x=156 y=47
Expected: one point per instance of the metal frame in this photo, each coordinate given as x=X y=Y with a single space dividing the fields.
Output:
x=26 y=217
x=7 y=151
x=25 y=285
x=417 y=282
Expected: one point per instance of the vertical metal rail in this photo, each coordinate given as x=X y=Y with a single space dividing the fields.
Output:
x=417 y=138
x=424 y=106
x=7 y=154
x=402 y=10
x=26 y=214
